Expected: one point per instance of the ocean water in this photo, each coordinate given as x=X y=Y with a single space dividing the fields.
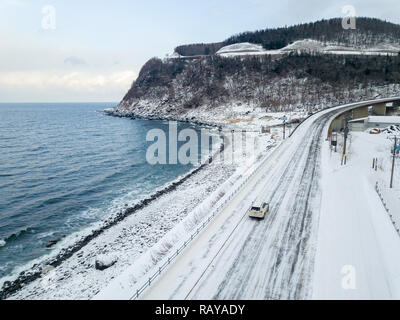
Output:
x=66 y=166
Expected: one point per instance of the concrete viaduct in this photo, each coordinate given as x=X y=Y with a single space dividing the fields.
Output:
x=362 y=110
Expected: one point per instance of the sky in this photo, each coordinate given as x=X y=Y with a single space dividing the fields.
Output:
x=87 y=50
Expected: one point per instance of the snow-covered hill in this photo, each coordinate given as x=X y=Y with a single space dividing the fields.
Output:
x=244 y=48
x=317 y=46
x=308 y=45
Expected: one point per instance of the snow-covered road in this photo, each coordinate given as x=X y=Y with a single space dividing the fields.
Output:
x=240 y=258
x=236 y=257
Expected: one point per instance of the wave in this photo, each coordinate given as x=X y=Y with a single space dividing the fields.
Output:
x=119 y=209
x=6 y=174
x=15 y=235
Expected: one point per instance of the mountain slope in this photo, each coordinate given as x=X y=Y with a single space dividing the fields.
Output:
x=230 y=85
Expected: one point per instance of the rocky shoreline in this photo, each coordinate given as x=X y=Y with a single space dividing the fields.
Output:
x=115 y=112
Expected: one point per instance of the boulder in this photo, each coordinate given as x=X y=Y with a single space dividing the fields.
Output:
x=52 y=242
x=103 y=262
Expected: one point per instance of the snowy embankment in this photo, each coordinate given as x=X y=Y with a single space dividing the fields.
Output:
x=78 y=277
x=358 y=254
x=235 y=115
x=132 y=281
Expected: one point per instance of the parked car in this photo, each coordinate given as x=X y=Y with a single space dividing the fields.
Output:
x=375 y=131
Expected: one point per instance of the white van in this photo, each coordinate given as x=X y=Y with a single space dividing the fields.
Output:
x=259 y=210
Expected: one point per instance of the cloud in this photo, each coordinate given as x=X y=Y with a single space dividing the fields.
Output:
x=16 y=3
x=74 y=61
x=65 y=85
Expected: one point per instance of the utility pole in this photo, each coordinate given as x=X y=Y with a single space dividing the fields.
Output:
x=346 y=132
x=394 y=157
x=284 y=130
x=284 y=118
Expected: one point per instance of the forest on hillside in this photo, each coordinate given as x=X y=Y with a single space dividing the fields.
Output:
x=368 y=32
x=266 y=81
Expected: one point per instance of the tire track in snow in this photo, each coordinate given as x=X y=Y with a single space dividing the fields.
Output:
x=298 y=251
x=276 y=259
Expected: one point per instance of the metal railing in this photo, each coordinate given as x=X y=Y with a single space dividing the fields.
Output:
x=379 y=192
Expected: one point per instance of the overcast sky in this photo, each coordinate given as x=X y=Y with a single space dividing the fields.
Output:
x=92 y=50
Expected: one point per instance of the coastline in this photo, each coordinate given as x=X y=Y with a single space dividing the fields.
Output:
x=77 y=277
x=72 y=271
x=114 y=112
x=13 y=284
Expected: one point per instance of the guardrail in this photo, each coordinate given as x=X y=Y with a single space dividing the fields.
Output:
x=215 y=211
x=349 y=107
x=379 y=192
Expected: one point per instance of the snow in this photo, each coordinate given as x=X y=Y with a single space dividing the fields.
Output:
x=384 y=119
x=173 y=55
x=105 y=261
x=355 y=230
x=234 y=115
x=308 y=45
x=244 y=48
x=221 y=264
x=2 y=243
x=121 y=287
x=146 y=239
x=359 y=119
x=379 y=119
x=130 y=239
x=232 y=228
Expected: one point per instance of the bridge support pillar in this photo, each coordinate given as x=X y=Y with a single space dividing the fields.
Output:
x=379 y=109
x=360 y=113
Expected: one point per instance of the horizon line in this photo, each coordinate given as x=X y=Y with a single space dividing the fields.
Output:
x=4 y=102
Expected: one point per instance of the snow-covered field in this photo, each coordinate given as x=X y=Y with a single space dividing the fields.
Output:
x=244 y=48
x=358 y=255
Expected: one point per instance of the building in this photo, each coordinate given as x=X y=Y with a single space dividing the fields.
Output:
x=380 y=122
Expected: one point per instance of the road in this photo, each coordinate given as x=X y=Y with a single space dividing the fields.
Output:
x=236 y=257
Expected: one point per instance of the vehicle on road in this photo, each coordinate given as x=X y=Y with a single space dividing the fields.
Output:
x=259 y=210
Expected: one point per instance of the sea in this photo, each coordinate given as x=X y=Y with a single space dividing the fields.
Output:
x=67 y=166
